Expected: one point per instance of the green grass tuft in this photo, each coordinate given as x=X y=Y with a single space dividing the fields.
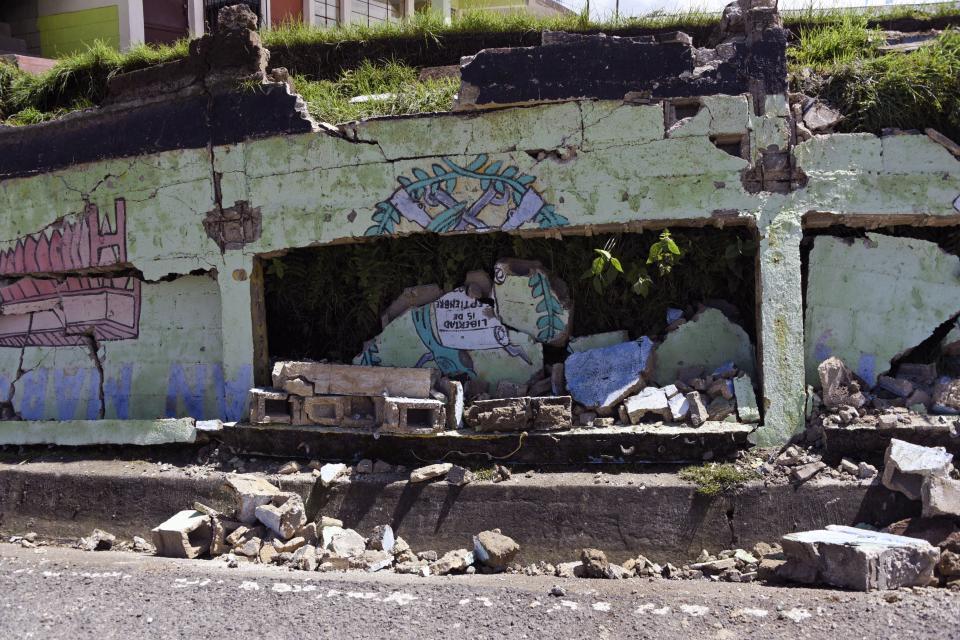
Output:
x=827 y=45
x=715 y=478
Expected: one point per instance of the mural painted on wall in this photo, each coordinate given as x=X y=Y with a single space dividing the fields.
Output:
x=61 y=312
x=444 y=199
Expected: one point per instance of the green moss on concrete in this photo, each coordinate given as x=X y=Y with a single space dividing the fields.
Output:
x=713 y=478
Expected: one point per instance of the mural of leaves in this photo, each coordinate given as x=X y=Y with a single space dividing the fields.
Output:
x=386 y=217
x=550 y=324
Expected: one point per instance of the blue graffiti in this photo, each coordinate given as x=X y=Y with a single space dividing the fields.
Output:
x=68 y=386
x=117 y=391
x=34 y=394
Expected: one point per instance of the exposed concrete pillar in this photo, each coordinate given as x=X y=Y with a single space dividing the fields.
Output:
x=409 y=8
x=780 y=332
x=237 y=332
x=443 y=7
x=195 y=18
x=345 y=12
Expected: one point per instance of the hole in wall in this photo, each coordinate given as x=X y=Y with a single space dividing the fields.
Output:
x=419 y=418
x=734 y=145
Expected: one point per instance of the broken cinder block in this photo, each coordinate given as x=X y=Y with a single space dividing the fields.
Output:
x=355 y=380
x=269 y=406
x=907 y=465
x=413 y=415
x=185 y=535
x=545 y=413
x=249 y=493
x=858 y=559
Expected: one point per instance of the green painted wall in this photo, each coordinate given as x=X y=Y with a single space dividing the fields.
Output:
x=65 y=33
x=572 y=166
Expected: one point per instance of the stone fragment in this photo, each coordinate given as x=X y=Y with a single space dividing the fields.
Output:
x=747 y=409
x=249 y=547
x=382 y=538
x=250 y=492
x=594 y=563
x=352 y=380
x=284 y=519
x=649 y=400
x=679 y=407
x=907 y=465
x=713 y=567
x=838 y=385
x=849 y=466
x=430 y=472
x=865 y=471
x=460 y=476
x=345 y=543
x=531 y=300
x=720 y=408
x=804 y=472
x=185 y=535
x=327 y=521
x=298 y=387
x=375 y=560
x=598 y=340
x=330 y=472
x=98 y=540
x=493 y=549
x=941 y=496
x=503 y=414
x=946 y=396
x=698 y=411
x=289 y=468
x=858 y=559
x=289 y=546
x=305 y=558
x=455 y=404
x=601 y=378
x=949 y=565
x=455 y=561
x=862 y=283
x=708 y=340
x=896 y=386
x=818 y=117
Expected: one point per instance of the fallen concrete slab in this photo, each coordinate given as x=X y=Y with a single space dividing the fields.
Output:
x=79 y=433
x=858 y=559
x=907 y=466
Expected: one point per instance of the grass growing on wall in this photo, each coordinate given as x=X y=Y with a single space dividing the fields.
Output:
x=325 y=302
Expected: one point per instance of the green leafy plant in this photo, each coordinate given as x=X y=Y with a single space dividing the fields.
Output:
x=663 y=254
x=604 y=269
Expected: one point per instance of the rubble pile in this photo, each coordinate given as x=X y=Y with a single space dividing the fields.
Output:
x=895 y=400
x=473 y=358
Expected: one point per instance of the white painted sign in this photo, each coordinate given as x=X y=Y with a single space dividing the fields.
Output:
x=466 y=323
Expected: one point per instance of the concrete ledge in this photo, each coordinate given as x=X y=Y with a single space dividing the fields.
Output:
x=552 y=515
x=635 y=443
x=76 y=433
x=863 y=442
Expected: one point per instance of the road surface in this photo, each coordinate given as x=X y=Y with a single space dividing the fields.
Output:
x=54 y=592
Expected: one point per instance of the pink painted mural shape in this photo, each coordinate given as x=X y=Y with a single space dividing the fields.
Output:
x=54 y=312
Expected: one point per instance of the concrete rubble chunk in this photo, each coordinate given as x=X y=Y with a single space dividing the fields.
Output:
x=720 y=408
x=532 y=300
x=493 y=549
x=821 y=118
x=331 y=471
x=430 y=472
x=747 y=409
x=455 y=404
x=305 y=558
x=946 y=396
x=285 y=519
x=858 y=559
x=805 y=472
x=896 y=386
x=413 y=415
x=649 y=400
x=98 y=540
x=460 y=476
x=601 y=378
x=709 y=340
x=698 y=410
x=185 y=535
x=941 y=497
x=593 y=563
x=545 y=413
x=249 y=493
x=455 y=561
x=679 y=407
x=345 y=543
x=376 y=560
x=867 y=282
x=907 y=465
x=382 y=538
x=838 y=384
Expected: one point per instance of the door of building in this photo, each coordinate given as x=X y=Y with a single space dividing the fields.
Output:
x=165 y=21
x=282 y=11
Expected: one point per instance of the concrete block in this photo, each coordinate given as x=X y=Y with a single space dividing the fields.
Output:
x=649 y=400
x=269 y=406
x=551 y=412
x=698 y=410
x=80 y=433
x=185 y=535
x=679 y=407
x=430 y=472
x=351 y=380
x=298 y=386
x=941 y=496
x=858 y=559
x=328 y=410
x=502 y=414
x=530 y=299
x=709 y=339
x=413 y=415
x=601 y=378
x=747 y=409
x=907 y=465
x=284 y=519
x=871 y=300
x=598 y=340
x=250 y=492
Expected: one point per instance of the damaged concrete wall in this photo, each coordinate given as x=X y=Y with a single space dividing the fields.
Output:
x=550 y=169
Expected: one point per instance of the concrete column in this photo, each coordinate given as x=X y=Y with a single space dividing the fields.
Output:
x=309 y=17
x=409 y=8
x=345 y=12
x=195 y=18
x=236 y=321
x=443 y=7
x=132 y=30
x=780 y=332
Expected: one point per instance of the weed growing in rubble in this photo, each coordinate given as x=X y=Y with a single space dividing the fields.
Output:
x=849 y=39
x=715 y=478
x=664 y=253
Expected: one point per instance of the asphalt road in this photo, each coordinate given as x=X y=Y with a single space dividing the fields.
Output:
x=64 y=593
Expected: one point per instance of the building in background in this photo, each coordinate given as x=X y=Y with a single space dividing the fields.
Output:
x=54 y=28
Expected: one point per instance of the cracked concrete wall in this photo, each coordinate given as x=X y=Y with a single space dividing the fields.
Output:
x=565 y=167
